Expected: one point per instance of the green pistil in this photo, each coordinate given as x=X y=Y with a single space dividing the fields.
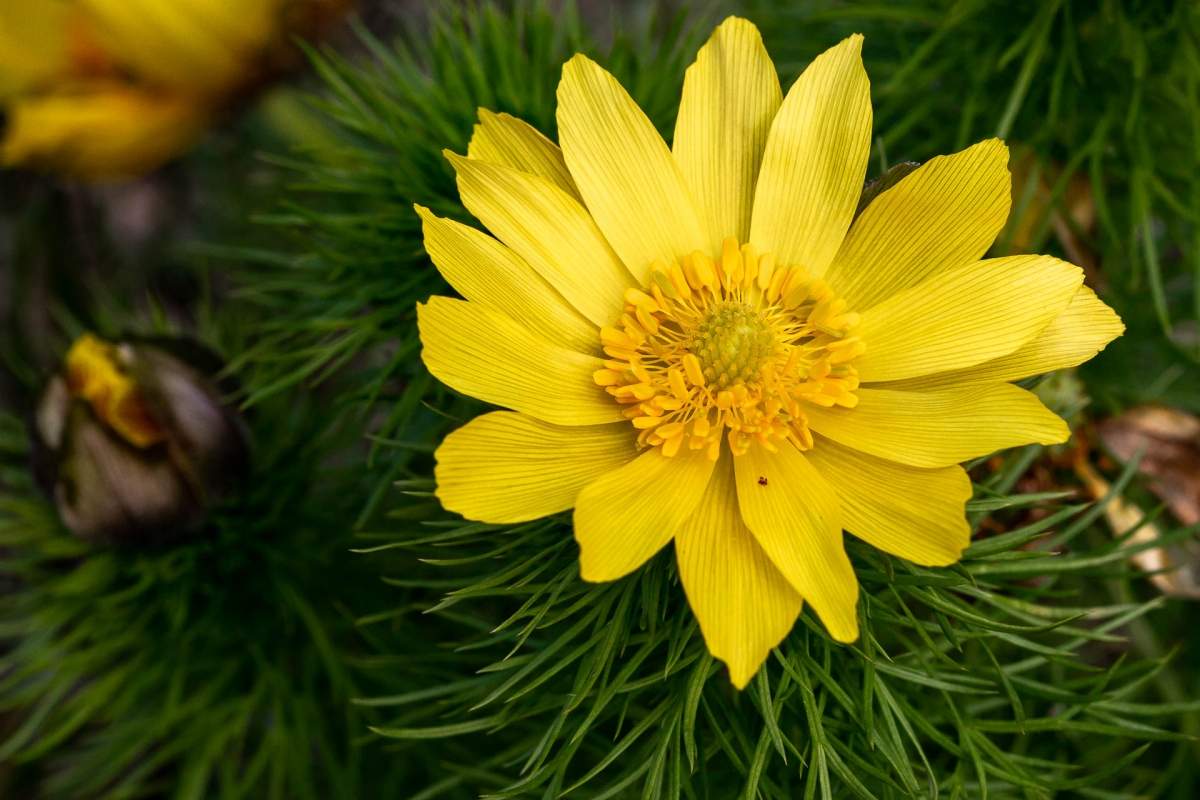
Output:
x=733 y=342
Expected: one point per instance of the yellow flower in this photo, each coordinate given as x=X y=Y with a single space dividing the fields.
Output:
x=100 y=89
x=706 y=345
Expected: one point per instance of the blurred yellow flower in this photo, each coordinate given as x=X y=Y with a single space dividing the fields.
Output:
x=710 y=345
x=101 y=89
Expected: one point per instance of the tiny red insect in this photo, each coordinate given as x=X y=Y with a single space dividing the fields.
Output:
x=762 y=480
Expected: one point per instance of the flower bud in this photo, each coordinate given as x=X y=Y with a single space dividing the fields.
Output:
x=136 y=442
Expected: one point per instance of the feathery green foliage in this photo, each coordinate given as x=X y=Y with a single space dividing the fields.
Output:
x=1000 y=677
x=217 y=667
x=220 y=666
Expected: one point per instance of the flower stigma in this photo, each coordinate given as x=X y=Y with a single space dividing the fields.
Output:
x=731 y=349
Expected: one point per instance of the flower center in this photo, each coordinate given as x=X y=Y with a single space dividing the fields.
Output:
x=730 y=350
x=732 y=342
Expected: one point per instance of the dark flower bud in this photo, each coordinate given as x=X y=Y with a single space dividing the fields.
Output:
x=135 y=443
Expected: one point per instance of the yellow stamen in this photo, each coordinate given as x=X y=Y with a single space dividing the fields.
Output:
x=775 y=285
x=678 y=387
x=731 y=262
x=705 y=270
x=611 y=337
x=766 y=270
x=749 y=266
x=668 y=403
x=691 y=366
x=728 y=351
x=670 y=430
x=679 y=281
x=606 y=377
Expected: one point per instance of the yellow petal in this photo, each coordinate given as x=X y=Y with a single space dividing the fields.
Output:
x=794 y=516
x=245 y=25
x=486 y=272
x=33 y=43
x=917 y=514
x=1078 y=333
x=627 y=515
x=944 y=214
x=744 y=604
x=103 y=132
x=506 y=467
x=964 y=316
x=815 y=161
x=199 y=45
x=485 y=354
x=97 y=376
x=940 y=427
x=504 y=139
x=550 y=230
x=730 y=96
x=626 y=174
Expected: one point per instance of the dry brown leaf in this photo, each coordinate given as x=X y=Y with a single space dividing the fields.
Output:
x=1169 y=441
x=1174 y=571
